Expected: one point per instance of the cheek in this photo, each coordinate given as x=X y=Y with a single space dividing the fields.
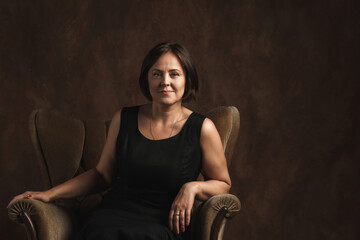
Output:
x=182 y=85
x=151 y=83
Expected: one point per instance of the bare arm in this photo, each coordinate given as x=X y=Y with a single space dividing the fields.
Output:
x=216 y=175
x=93 y=180
x=214 y=168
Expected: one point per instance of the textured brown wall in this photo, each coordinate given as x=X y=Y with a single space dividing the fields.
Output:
x=289 y=66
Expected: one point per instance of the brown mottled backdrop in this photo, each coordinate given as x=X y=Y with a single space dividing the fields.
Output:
x=291 y=67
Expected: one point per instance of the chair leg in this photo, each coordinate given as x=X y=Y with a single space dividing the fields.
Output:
x=216 y=226
x=29 y=226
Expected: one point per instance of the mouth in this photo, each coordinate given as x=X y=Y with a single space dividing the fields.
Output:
x=166 y=92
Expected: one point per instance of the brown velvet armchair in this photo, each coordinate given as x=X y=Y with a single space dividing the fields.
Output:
x=66 y=147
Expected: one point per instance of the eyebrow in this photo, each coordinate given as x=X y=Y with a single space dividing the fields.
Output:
x=171 y=70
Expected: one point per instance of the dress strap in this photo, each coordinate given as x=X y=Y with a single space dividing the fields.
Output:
x=196 y=123
x=128 y=118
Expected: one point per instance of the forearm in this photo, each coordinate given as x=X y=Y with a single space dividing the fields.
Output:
x=206 y=189
x=86 y=183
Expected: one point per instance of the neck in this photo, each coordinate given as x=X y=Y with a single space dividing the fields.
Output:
x=166 y=112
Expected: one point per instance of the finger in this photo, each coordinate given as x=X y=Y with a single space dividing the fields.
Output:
x=188 y=216
x=182 y=221
x=171 y=219
x=176 y=222
x=27 y=194
x=17 y=197
x=11 y=202
x=21 y=196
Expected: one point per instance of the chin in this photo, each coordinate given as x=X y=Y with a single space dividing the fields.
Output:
x=167 y=101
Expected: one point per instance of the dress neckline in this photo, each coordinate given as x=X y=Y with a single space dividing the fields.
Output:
x=163 y=139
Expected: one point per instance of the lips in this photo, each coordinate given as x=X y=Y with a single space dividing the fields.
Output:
x=166 y=92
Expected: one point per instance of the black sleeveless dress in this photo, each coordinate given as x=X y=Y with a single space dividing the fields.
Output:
x=150 y=174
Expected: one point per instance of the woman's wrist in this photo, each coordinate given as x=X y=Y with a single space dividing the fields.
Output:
x=194 y=188
x=50 y=194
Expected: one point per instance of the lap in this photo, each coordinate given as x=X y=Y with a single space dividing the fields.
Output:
x=109 y=224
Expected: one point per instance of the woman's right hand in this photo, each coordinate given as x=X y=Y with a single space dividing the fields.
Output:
x=42 y=196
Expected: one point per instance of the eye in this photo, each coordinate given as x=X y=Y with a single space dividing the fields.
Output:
x=175 y=74
x=156 y=74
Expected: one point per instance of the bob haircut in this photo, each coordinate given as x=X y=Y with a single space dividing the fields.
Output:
x=191 y=78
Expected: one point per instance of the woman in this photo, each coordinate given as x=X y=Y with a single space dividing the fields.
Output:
x=151 y=158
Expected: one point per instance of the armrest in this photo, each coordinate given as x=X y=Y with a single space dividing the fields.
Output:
x=213 y=214
x=42 y=220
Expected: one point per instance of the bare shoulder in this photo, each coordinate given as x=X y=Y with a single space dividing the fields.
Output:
x=208 y=129
x=115 y=122
x=117 y=116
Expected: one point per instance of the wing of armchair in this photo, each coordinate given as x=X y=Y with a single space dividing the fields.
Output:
x=58 y=221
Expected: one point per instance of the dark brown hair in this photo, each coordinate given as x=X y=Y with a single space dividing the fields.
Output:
x=191 y=78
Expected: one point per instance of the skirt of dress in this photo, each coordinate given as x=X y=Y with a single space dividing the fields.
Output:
x=110 y=224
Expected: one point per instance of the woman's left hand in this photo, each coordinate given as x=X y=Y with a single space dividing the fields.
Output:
x=180 y=212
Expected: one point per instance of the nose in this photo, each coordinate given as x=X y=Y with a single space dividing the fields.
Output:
x=165 y=81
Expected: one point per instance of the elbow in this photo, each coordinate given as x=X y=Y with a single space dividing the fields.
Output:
x=103 y=178
x=228 y=185
x=228 y=188
x=225 y=186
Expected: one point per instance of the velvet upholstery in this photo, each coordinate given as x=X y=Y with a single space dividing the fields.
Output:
x=50 y=221
x=66 y=147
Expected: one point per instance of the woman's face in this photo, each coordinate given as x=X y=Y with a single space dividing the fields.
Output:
x=167 y=80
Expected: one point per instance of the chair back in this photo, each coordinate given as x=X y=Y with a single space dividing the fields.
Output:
x=227 y=122
x=66 y=147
